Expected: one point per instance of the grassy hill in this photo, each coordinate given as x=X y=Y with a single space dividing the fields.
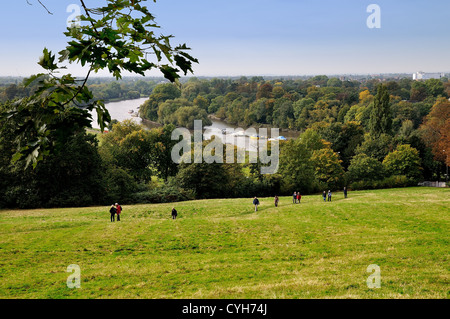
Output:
x=223 y=249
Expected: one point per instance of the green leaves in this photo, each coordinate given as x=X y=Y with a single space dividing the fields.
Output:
x=47 y=61
x=122 y=34
x=57 y=109
x=118 y=37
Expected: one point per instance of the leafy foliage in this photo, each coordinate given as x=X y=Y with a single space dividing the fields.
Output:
x=365 y=168
x=404 y=160
x=118 y=37
x=381 y=117
x=327 y=166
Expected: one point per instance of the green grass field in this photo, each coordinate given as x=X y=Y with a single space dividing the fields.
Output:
x=223 y=249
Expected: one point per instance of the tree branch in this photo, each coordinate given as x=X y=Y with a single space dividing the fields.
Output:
x=81 y=87
x=89 y=16
x=48 y=11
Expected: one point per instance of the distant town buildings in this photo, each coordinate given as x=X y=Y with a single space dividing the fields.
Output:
x=427 y=76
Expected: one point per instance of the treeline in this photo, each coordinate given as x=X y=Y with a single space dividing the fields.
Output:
x=380 y=141
x=352 y=115
x=293 y=104
x=103 y=88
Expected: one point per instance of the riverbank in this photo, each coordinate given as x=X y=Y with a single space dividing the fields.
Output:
x=150 y=124
x=120 y=99
x=288 y=132
x=120 y=111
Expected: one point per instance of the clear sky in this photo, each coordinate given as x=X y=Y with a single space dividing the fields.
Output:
x=259 y=37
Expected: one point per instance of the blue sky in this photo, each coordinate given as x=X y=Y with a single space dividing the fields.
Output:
x=260 y=37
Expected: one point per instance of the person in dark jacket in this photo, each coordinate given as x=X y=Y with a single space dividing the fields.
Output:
x=119 y=210
x=174 y=213
x=345 y=192
x=113 y=212
x=256 y=203
x=324 y=195
x=276 y=201
x=294 y=197
x=329 y=195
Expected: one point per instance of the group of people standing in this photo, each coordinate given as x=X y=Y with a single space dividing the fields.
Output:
x=115 y=210
x=296 y=197
x=325 y=195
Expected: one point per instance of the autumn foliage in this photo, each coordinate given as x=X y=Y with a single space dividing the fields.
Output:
x=436 y=130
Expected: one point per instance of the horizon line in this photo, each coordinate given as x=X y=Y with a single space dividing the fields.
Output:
x=247 y=75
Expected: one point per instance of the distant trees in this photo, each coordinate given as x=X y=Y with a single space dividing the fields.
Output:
x=206 y=180
x=140 y=152
x=376 y=147
x=296 y=167
x=381 y=116
x=181 y=112
x=264 y=91
x=404 y=160
x=328 y=169
x=344 y=138
x=216 y=180
x=160 y=94
x=365 y=168
x=355 y=133
x=435 y=130
x=418 y=91
x=165 y=105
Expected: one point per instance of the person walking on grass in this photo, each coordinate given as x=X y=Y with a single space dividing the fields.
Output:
x=113 y=212
x=119 y=210
x=256 y=203
x=294 y=197
x=276 y=201
x=329 y=195
x=174 y=213
x=299 y=197
x=345 y=192
x=324 y=195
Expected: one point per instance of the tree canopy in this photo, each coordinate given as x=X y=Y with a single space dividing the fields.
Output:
x=118 y=37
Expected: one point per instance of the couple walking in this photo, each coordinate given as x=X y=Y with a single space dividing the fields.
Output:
x=115 y=209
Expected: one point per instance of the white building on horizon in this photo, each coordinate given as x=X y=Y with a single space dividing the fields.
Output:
x=426 y=76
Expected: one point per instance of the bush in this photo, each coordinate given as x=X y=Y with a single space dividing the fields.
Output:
x=395 y=181
x=119 y=186
x=363 y=168
x=133 y=95
x=268 y=185
x=405 y=160
x=22 y=197
x=70 y=199
x=162 y=194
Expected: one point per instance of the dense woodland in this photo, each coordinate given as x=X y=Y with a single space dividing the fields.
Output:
x=105 y=89
x=360 y=134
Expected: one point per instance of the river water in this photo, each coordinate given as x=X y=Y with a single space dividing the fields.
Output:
x=121 y=111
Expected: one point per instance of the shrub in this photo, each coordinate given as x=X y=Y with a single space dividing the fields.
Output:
x=119 y=186
x=162 y=194
x=363 y=168
x=405 y=160
x=395 y=181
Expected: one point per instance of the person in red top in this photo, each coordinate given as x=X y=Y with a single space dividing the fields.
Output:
x=119 y=210
x=299 y=197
